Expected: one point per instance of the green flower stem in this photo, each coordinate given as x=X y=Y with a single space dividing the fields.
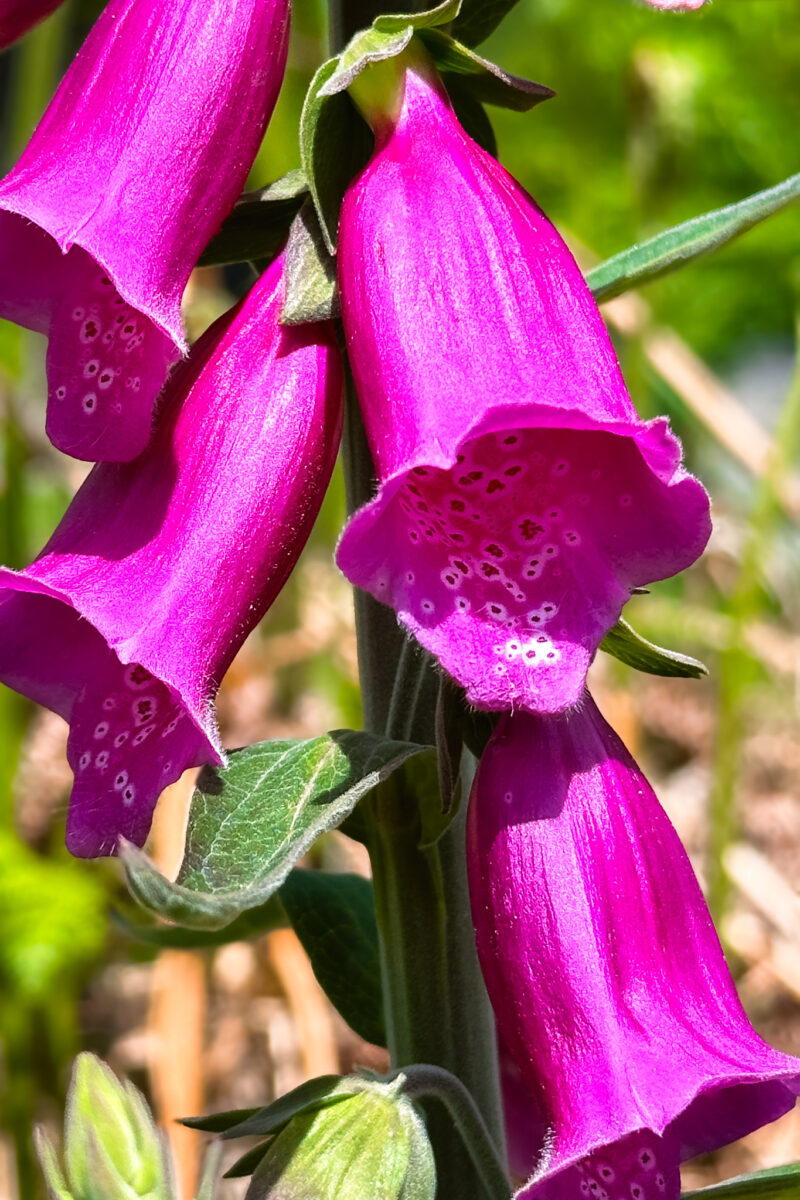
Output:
x=423 y=1080
x=437 y=1010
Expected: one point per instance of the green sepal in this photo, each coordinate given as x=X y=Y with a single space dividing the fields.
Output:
x=775 y=1183
x=692 y=239
x=333 y=915
x=48 y=1161
x=310 y=1096
x=335 y=145
x=247 y=1163
x=250 y=822
x=220 y=1121
x=478 y=18
x=625 y=644
x=310 y=273
x=486 y=81
x=259 y=223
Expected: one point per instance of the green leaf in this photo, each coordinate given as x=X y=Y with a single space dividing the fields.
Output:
x=248 y=1162
x=776 y=1183
x=334 y=918
x=251 y=923
x=478 y=18
x=220 y=1121
x=335 y=144
x=259 y=223
x=311 y=1096
x=310 y=273
x=250 y=822
x=701 y=235
x=485 y=80
x=630 y=647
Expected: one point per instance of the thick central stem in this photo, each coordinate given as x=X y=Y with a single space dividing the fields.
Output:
x=436 y=1006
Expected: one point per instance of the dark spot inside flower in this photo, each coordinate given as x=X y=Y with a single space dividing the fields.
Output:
x=139 y=675
x=106 y=377
x=489 y=570
x=90 y=329
x=494 y=485
x=496 y=610
x=494 y=550
x=129 y=328
x=91 y=368
x=457 y=505
x=461 y=566
x=606 y=1172
x=645 y=1158
x=529 y=529
x=144 y=708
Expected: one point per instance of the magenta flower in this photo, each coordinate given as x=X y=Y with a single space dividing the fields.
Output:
x=129 y=618
x=18 y=16
x=677 y=5
x=606 y=976
x=133 y=166
x=521 y=498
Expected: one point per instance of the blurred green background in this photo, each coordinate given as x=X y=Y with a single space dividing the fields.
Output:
x=658 y=117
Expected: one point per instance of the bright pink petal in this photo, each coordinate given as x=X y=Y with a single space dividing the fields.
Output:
x=603 y=967
x=161 y=567
x=521 y=498
x=135 y=163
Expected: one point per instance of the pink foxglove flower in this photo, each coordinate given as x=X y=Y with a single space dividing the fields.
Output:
x=140 y=155
x=129 y=618
x=521 y=498
x=18 y=16
x=677 y=5
x=607 y=980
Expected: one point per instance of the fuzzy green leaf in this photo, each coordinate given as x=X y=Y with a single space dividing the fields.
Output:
x=674 y=247
x=250 y=822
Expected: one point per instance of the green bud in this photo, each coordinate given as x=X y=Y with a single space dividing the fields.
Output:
x=373 y=1143
x=112 y=1148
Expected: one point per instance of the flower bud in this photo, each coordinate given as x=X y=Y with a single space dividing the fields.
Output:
x=372 y=1144
x=112 y=1149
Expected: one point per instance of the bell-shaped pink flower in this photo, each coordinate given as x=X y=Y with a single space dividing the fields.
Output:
x=161 y=567
x=608 y=983
x=18 y=16
x=521 y=498
x=142 y=152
